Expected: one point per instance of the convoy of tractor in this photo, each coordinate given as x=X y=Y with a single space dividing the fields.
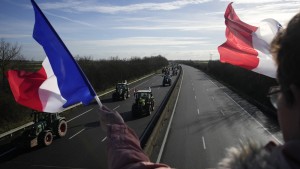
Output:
x=47 y=126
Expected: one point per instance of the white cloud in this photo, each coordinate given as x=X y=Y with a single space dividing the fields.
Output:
x=279 y=11
x=71 y=20
x=180 y=28
x=14 y=36
x=256 y=1
x=91 y=6
x=144 y=41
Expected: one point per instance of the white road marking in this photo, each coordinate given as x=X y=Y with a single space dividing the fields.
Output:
x=198 y=111
x=77 y=133
x=116 y=107
x=104 y=139
x=222 y=112
x=213 y=83
x=203 y=143
x=193 y=89
x=52 y=166
x=12 y=149
x=255 y=120
x=79 y=115
x=169 y=125
x=195 y=97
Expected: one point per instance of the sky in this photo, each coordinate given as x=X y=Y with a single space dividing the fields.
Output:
x=102 y=29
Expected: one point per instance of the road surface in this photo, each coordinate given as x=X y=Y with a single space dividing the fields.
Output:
x=208 y=119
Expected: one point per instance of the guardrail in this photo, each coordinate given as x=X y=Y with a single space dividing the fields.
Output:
x=151 y=125
x=10 y=133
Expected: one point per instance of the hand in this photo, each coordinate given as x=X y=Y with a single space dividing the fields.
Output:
x=108 y=116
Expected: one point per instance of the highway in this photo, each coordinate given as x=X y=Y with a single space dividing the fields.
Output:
x=84 y=146
x=208 y=119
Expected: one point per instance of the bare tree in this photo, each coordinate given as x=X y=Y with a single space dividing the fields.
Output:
x=8 y=53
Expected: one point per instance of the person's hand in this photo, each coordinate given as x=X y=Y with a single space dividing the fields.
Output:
x=108 y=116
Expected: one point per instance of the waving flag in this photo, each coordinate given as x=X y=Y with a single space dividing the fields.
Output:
x=248 y=46
x=59 y=83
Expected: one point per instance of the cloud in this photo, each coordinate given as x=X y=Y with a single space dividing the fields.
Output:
x=256 y=1
x=14 y=36
x=144 y=41
x=198 y=27
x=71 y=20
x=280 y=11
x=91 y=6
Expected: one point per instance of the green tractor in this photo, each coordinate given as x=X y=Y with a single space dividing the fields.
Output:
x=121 y=92
x=144 y=103
x=45 y=127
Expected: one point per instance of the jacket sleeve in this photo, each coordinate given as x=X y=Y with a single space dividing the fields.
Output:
x=124 y=150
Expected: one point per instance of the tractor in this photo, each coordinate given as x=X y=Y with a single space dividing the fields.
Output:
x=46 y=126
x=144 y=103
x=121 y=92
x=167 y=80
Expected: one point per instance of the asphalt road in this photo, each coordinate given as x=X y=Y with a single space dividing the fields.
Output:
x=84 y=146
x=208 y=119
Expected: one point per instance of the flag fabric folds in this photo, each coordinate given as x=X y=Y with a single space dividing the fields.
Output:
x=59 y=83
x=248 y=46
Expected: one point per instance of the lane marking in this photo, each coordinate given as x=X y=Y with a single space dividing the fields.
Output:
x=198 y=111
x=195 y=97
x=104 y=139
x=169 y=125
x=222 y=112
x=77 y=133
x=79 y=115
x=116 y=107
x=276 y=139
x=203 y=143
x=12 y=149
x=193 y=89
x=52 y=166
x=213 y=82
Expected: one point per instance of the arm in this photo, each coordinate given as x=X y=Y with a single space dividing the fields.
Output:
x=124 y=150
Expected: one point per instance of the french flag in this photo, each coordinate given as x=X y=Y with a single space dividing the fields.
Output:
x=60 y=82
x=248 y=46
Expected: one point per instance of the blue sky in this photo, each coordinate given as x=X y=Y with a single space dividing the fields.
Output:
x=182 y=29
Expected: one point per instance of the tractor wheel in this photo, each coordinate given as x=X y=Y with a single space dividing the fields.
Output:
x=46 y=138
x=62 y=128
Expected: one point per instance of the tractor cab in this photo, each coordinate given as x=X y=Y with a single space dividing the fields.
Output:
x=144 y=102
x=121 y=92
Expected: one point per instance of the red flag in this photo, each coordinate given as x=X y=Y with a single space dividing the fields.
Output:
x=247 y=46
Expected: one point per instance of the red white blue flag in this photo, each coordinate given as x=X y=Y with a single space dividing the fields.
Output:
x=59 y=83
x=248 y=46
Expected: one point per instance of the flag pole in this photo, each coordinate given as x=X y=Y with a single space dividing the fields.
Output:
x=98 y=101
